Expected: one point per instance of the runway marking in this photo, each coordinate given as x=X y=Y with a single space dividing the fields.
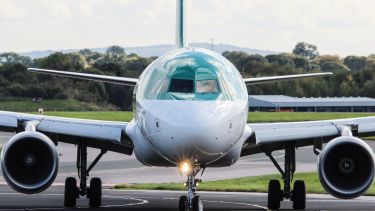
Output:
x=237 y=203
x=139 y=202
x=166 y=198
x=224 y=202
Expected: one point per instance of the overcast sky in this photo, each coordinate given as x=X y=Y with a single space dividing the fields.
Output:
x=336 y=26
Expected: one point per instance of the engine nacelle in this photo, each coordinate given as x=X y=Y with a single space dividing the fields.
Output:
x=346 y=167
x=29 y=161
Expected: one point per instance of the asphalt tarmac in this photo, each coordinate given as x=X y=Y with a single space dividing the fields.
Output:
x=52 y=199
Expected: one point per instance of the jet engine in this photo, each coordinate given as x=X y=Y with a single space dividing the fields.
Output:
x=29 y=161
x=346 y=167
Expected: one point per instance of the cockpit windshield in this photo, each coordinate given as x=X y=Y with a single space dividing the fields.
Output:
x=181 y=85
x=191 y=74
x=207 y=87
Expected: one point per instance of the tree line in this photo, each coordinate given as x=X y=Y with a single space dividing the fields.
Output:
x=353 y=75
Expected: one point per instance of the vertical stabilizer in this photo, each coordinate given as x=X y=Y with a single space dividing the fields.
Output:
x=181 y=24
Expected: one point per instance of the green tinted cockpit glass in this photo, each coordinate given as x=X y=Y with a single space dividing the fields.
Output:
x=191 y=74
x=207 y=87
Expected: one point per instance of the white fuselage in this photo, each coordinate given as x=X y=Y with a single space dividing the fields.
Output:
x=166 y=132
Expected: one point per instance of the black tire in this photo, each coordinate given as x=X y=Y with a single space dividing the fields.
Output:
x=183 y=203
x=299 y=195
x=71 y=192
x=274 y=195
x=95 y=192
x=197 y=204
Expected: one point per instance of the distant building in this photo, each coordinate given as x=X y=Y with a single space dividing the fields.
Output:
x=320 y=104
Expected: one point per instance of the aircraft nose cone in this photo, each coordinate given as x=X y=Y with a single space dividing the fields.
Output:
x=181 y=143
x=192 y=130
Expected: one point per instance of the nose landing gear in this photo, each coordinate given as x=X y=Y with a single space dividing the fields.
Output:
x=191 y=202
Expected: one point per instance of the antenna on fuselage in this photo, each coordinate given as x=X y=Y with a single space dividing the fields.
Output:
x=180 y=24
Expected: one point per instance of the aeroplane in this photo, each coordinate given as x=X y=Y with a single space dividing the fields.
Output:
x=190 y=112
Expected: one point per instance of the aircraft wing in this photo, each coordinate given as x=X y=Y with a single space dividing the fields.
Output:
x=274 y=136
x=86 y=76
x=262 y=80
x=97 y=134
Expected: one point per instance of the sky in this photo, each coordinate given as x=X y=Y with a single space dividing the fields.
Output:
x=342 y=27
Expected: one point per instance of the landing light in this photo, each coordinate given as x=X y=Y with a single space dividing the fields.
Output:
x=185 y=168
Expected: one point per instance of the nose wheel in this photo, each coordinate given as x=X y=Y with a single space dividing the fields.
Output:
x=191 y=202
x=183 y=204
x=197 y=204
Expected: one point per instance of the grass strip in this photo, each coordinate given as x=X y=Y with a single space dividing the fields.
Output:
x=244 y=184
x=47 y=105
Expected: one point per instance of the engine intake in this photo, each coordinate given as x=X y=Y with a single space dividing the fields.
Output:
x=346 y=167
x=29 y=161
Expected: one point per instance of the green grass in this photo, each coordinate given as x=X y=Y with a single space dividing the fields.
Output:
x=301 y=116
x=47 y=105
x=245 y=184
x=254 y=117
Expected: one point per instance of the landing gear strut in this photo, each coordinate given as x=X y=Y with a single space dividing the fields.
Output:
x=275 y=194
x=94 y=192
x=191 y=202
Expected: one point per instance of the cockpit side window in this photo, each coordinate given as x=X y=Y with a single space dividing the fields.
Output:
x=207 y=87
x=181 y=85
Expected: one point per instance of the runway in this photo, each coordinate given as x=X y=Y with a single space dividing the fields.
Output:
x=52 y=199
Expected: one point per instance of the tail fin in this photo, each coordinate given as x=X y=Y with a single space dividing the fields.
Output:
x=180 y=25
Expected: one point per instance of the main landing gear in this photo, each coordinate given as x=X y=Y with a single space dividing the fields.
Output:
x=191 y=202
x=94 y=191
x=275 y=194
